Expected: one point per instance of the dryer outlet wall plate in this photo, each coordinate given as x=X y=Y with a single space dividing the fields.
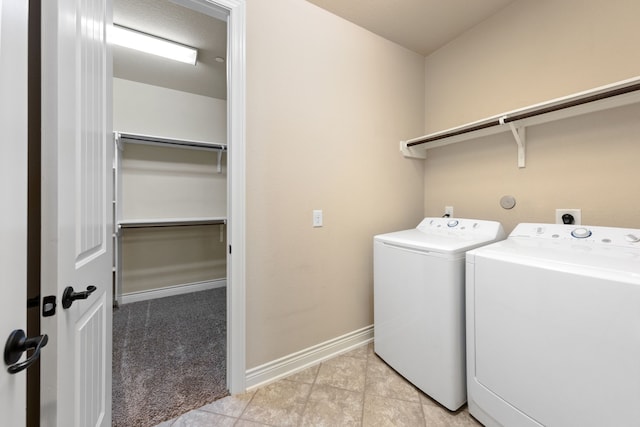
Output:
x=576 y=213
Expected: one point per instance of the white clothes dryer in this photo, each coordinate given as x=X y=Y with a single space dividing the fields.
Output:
x=553 y=327
x=419 y=302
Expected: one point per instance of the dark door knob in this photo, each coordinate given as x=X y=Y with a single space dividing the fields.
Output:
x=17 y=344
x=69 y=296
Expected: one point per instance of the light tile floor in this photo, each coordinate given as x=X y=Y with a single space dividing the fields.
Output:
x=353 y=389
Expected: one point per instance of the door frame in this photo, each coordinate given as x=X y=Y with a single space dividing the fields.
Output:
x=236 y=110
x=234 y=12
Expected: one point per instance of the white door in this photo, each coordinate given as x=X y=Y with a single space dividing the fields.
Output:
x=77 y=218
x=13 y=193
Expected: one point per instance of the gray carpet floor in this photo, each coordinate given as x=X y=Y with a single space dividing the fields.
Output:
x=169 y=357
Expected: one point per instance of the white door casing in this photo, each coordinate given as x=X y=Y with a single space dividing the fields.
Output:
x=13 y=191
x=77 y=218
x=236 y=113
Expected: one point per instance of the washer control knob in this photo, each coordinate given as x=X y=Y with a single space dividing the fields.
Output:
x=581 y=233
x=452 y=223
x=632 y=238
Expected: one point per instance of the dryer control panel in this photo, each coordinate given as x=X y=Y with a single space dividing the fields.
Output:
x=612 y=236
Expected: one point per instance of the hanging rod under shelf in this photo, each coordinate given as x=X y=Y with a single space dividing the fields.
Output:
x=526 y=113
x=135 y=138
x=610 y=96
x=178 y=143
x=169 y=222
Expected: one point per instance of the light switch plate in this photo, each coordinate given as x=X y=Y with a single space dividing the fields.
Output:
x=317 y=218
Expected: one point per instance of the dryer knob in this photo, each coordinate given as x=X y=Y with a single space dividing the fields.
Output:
x=581 y=233
x=632 y=238
x=452 y=223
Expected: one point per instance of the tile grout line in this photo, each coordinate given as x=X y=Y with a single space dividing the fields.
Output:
x=306 y=402
x=415 y=388
x=245 y=407
x=366 y=377
x=422 y=405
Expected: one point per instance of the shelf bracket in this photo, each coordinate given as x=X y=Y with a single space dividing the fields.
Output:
x=220 y=161
x=118 y=140
x=519 y=134
x=411 y=152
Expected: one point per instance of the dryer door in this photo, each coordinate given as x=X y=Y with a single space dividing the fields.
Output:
x=560 y=344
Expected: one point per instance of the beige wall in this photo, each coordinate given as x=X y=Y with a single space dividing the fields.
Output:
x=530 y=52
x=160 y=182
x=327 y=104
x=167 y=182
x=158 y=111
x=161 y=257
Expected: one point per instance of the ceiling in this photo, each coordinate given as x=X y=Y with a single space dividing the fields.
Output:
x=422 y=26
x=164 y=19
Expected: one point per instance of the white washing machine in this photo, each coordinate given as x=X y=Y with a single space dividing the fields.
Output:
x=553 y=327
x=419 y=302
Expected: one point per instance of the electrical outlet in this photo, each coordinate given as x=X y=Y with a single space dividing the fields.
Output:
x=576 y=213
x=317 y=218
x=448 y=210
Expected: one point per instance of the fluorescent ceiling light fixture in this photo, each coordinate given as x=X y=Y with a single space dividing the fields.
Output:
x=132 y=39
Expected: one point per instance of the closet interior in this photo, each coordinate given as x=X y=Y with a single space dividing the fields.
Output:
x=170 y=163
x=170 y=211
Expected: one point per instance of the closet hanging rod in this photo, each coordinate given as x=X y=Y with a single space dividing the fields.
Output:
x=176 y=222
x=515 y=116
x=179 y=143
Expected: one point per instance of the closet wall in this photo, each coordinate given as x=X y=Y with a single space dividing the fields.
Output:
x=165 y=182
x=153 y=110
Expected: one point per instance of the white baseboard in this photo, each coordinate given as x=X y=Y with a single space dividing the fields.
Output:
x=172 y=290
x=295 y=362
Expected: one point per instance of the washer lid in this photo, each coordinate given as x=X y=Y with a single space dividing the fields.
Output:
x=446 y=235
